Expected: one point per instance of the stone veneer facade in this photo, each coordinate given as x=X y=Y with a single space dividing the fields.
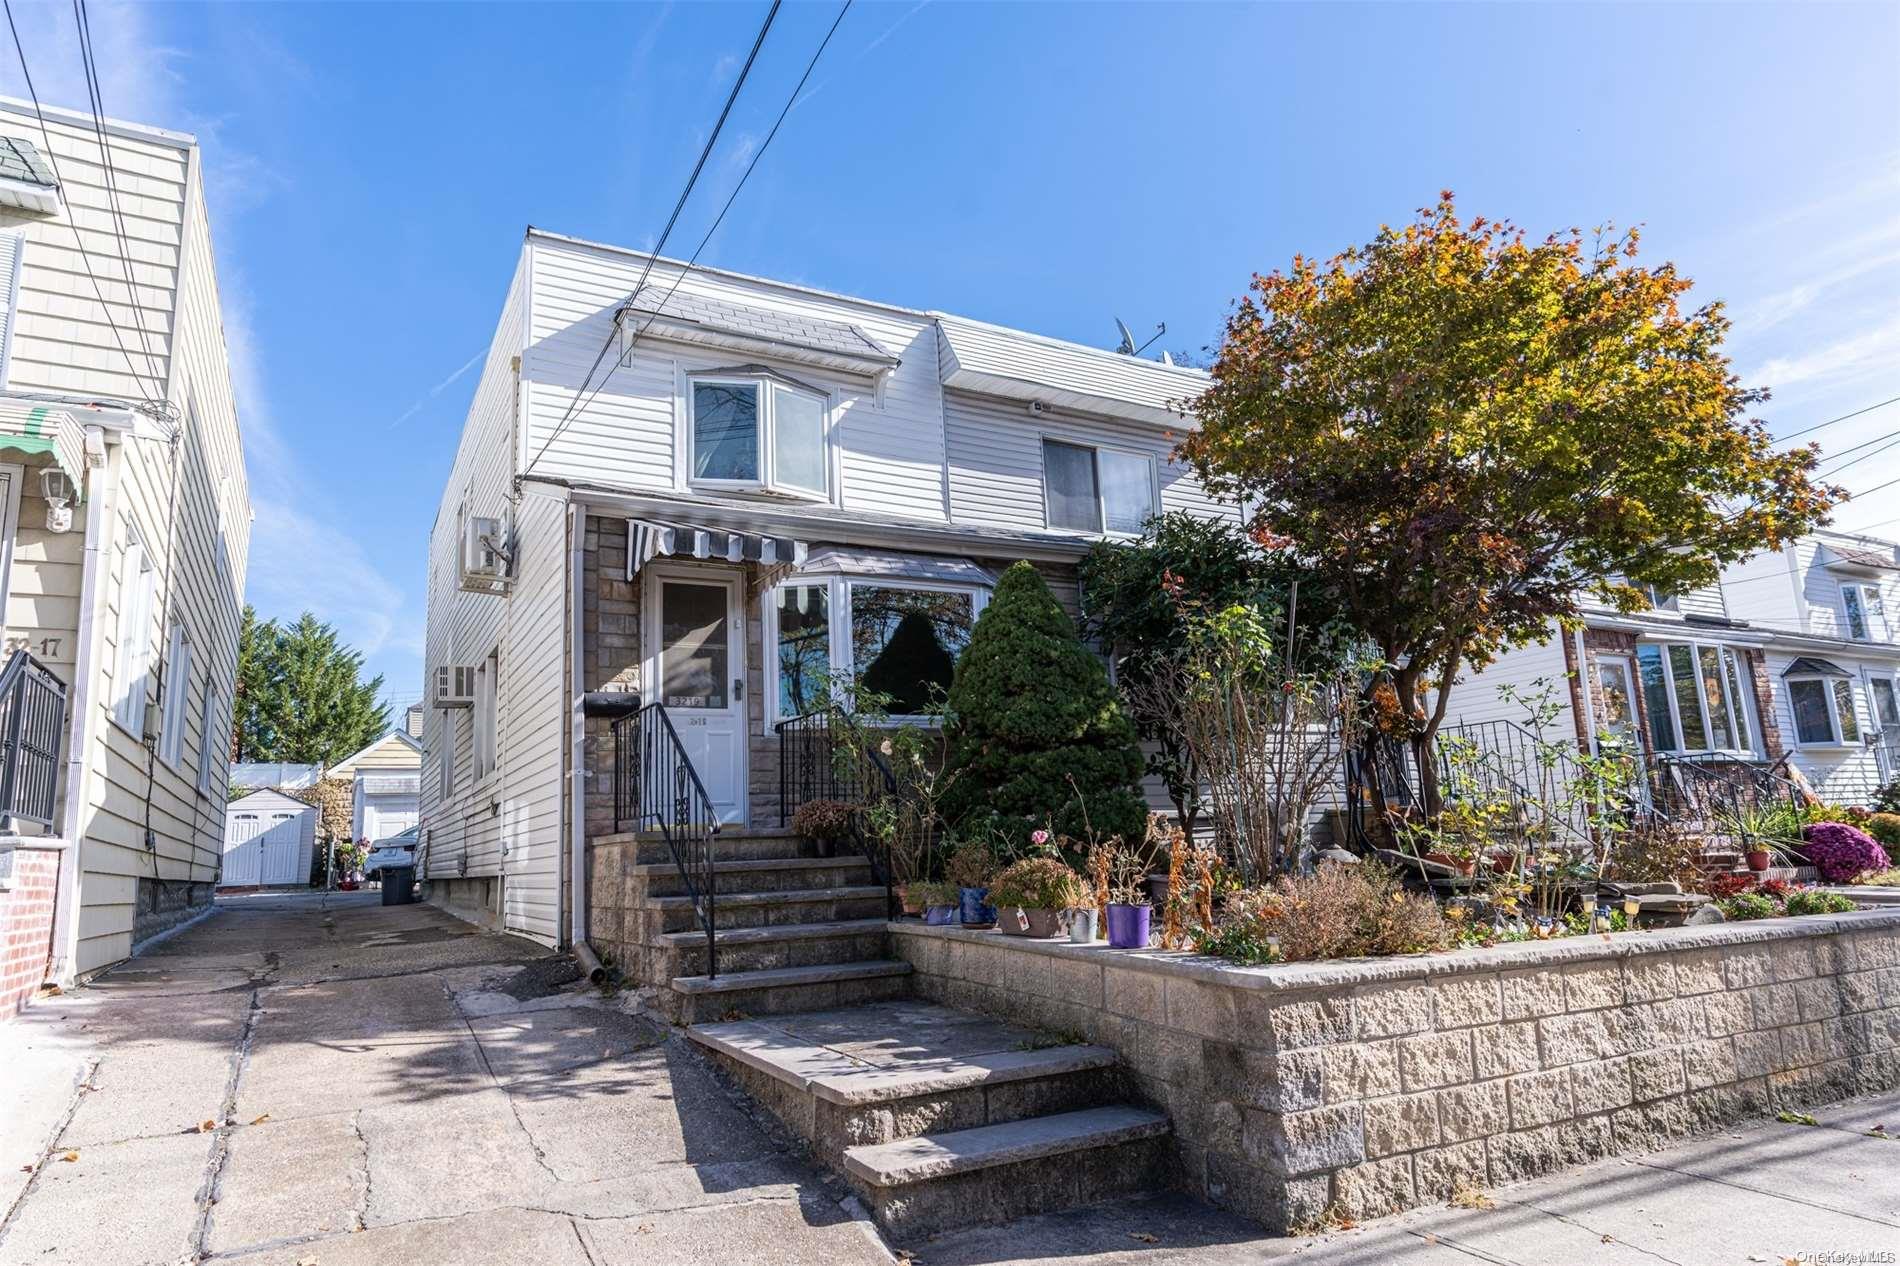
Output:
x=1370 y=1086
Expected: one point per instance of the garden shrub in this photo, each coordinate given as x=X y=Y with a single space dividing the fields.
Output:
x=1337 y=912
x=971 y=865
x=1841 y=852
x=1037 y=734
x=1887 y=800
x=824 y=819
x=1885 y=827
x=1038 y=883
x=1749 y=905
x=1814 y=901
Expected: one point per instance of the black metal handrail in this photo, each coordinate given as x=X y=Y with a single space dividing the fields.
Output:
x=814 y=763
x=1715 y=793
x=1518 y=763
x=656 y=787
x=32 y=728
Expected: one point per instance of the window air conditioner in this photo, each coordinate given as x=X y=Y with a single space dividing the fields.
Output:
x=455 y=686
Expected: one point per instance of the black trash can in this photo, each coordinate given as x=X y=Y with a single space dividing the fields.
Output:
x=399 y=885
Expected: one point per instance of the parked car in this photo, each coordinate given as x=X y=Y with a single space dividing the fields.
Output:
x=398 y=850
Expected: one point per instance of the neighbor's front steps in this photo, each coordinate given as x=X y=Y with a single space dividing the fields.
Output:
x=942 y=1119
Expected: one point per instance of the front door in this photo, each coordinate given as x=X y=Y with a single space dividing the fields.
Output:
x=696 y=668
x=1619 y=702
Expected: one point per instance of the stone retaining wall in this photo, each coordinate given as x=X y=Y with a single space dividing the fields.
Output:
x=1375 y=1085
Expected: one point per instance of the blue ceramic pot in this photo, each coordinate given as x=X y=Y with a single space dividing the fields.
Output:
x=977 y=912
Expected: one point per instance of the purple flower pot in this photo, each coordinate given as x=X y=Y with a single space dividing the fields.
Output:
x=1128 y=926
x=977 y=912
x=942 y=916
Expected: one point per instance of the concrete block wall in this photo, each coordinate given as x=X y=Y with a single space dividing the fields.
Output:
x=29 y=888
x=1367 y=1087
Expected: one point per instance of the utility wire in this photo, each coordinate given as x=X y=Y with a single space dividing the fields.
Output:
x=659 y=307
x=1831 y=421
x=85 y=257
x=705 y=152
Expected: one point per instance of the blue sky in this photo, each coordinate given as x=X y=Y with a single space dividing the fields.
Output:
x=372 y=168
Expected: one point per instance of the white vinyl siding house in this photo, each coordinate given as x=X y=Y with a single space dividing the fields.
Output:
x=764 y=485
x=136 y=606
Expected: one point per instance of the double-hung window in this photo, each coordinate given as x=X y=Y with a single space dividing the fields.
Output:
x=1097 y=490
x=210 y=744
x=486 y=730
x=899 y=638
x=133 y=662
x=1823 y=710
x=1866 y=617
x=1697 y=697
x=177 y=687
x=759 y=433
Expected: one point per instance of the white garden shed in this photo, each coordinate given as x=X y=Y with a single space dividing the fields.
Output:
x=268 y=841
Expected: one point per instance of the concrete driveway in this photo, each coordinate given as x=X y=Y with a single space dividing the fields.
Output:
x=310 y=1082
x=302 y=1080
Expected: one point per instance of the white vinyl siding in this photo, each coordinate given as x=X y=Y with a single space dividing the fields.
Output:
x=1524 y=672
x=177 y=687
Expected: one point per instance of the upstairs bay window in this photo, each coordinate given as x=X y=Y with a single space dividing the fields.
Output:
x=1866 y=618
x=759 y=433
x=1697 y=697
x=1097 y=489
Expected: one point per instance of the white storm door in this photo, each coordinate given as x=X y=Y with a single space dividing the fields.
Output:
x=696 y=668
x=280 y=849
x=242 y=852
x=1618 y=702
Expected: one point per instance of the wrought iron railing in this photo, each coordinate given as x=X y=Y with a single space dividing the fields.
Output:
x=1549 y=789
x=32 y=727
x=1719 y=795
x=657 y=788
x=818 y=762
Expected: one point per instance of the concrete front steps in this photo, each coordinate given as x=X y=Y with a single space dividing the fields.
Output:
x=795 y=931
x=942 y=1119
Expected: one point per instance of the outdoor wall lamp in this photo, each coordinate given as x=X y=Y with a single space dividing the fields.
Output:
x=56 y=487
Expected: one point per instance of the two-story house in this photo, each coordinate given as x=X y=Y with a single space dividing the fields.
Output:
x=124 y=520
x=757 y=486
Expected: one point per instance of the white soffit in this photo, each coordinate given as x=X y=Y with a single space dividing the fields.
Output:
x=1014 y=365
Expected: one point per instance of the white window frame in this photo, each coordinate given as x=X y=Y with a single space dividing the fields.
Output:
x=177 y=695
x=769 y=386
x=1661 y=601
x=1868 y=598
x=132 y=661
x=1741 y=711
x=1870 y=678
x=838 y=610
x=1826 y=682
x=487 y=716
x=207 y=728
x=1046 y=438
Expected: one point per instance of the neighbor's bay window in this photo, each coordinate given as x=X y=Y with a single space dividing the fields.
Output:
x=759 y=433
x=1697 y=697
x=896 y=637
x=1823 y=710
x=1089 y=489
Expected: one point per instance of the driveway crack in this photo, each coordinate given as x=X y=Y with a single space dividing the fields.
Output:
x=221 y=1134
x=1603 y=1236
x=80 y=1087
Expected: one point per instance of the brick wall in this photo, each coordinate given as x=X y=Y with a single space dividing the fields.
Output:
x=1369 y=1087
x=29 y=885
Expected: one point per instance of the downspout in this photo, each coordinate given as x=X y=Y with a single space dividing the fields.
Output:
x=92 y=574
x=577 y=745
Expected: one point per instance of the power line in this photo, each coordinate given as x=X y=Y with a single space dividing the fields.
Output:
x=52 y=159
x=1831 y=421
x=1887 y=441
x=757 y=154
x=704 y=153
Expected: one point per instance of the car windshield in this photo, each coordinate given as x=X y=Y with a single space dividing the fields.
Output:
x=402 y=839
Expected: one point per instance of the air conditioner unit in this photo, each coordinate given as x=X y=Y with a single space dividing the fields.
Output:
x=454 y=686
x=484 y=553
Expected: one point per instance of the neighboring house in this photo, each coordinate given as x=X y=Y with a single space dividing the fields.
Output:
x=1792 y=656
x=761 y=488
x=255 y=775
x=124 y=521
x=269 y=840
x=384 y=780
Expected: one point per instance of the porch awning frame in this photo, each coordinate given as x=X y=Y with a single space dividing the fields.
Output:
x=46 y=428
x=648 y=539
x=1813 y=666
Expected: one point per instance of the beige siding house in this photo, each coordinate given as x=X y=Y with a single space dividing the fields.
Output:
x=752 y=492
x=124 y=587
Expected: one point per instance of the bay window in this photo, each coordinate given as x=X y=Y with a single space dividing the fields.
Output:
x=1697 y=697
x=759 y=433
x=1866 y=617
x=1087 y=489
x=1823 y=708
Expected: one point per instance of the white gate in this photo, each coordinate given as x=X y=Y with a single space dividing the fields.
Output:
x=243 y=852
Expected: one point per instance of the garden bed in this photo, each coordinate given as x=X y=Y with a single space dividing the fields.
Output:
x=1360 y=1087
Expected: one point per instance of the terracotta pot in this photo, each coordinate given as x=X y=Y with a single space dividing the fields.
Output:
x=1463 y=865
x=908 y=903
x=1502 y=863
x=1021 y=921
x=1758 y=859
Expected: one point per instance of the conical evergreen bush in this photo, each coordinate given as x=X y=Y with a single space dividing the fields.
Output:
x=1033 y=709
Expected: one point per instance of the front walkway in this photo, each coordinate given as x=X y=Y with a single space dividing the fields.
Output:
x=307 y=1080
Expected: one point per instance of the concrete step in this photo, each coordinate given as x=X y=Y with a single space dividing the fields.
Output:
x=735 y=994
x=729 y=845
x=769 y=874
x=770 y=909
x=922 y=1185
x=838 y=1100
x=769 y=948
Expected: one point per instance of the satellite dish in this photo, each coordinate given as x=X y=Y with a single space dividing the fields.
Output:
x=1128 y=338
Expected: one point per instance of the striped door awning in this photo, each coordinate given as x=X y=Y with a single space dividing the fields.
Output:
x=45 y=428
x=648 y=540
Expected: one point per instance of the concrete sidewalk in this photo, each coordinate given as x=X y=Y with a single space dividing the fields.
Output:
x=309 y=1080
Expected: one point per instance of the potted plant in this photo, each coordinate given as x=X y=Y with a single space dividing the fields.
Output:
x=970 y=868
x=941 y=902
x=824 y=823
x=1029 y=894
x=1129 y=914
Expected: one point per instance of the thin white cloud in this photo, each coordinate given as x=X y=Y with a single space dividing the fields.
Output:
x=1849 y=358
x=423 y=400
